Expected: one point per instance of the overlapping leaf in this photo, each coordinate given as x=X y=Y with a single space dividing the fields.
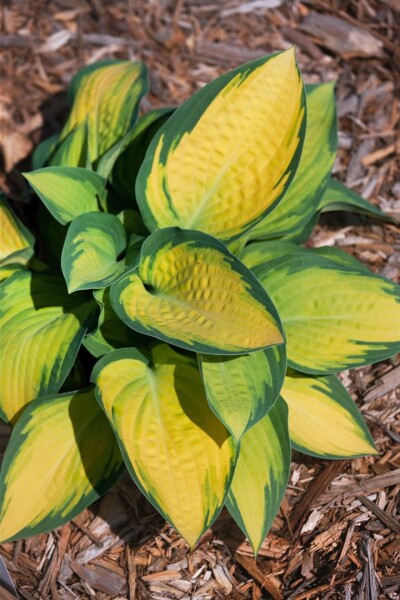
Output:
x=177 y=451
x=16 y=241
x=335 y=316
x=227 y=155
x=106 y=97
x=127 y=165
x=301 y=201
x=68 y=192
x=90 y=257
x=242 y=389
x=42 y=329
x=61 y=457
x=338 y=196
x=261 y=474
x=111 y=333
x=324 y=421
x=191 y=291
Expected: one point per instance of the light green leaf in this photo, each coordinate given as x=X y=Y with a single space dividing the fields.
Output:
x=261 y=475
x=61 y=457
x=176 y=450
x=242 y=389
x=90 y=257
x=189 y=290
x=68 y=192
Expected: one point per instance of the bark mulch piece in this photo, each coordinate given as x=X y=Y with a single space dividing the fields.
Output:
x=337 y=534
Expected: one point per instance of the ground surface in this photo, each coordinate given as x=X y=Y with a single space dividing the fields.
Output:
x=337 y=534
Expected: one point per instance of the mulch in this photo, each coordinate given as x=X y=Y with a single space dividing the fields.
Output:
x=337 y=534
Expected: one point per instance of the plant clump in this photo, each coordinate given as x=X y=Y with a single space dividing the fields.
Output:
x=168 y=319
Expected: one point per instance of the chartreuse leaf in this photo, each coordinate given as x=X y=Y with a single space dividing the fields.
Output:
x=261 y=474
x=242 y=389
x=91 y=250
x=334 y=316
x=177 y=451
x=301 y=200
x=15 y=239
x=227 y=155
x=68 y=192
x=338 y=196
x=61 y=457
x=191 y=291
x=323 y=418
x=111 y=333
x=41 y=329
x=106 y=98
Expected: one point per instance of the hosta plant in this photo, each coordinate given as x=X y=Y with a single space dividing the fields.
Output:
x=168 y=319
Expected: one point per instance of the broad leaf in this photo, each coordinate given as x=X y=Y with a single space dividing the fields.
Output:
x=323 y=418
x=227 y=155
x=42 y=329
x=176 y=450
x=339 y=197
x=16 y=241
x=111 y=333
x=106 y=97
x=68 y=192
x=242 y=389
x=61 y=457
x=334 y=316
x=189 y=290
x=301 y=201
x=261 y=475
x=90 y=257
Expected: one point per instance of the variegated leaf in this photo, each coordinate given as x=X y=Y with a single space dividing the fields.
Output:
x=61 y=457
x=301 y=201
x=324 y=421
x=335 y=316
x=189 y=290
x=338 y=196
x=42 y=329
x=261 y=474
x=68 y=192
x=90 y=256
x=16 y=241
x=242 y=389
x=228 y=154
x=177 y=451
x=106 y=97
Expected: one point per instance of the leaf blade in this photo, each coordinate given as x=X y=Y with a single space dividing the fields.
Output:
x=261 y=475
x=213 y=167
x=174 y=447
x=75 y=458
x=189 y=290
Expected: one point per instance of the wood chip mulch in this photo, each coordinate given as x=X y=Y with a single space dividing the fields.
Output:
x=337 y=535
